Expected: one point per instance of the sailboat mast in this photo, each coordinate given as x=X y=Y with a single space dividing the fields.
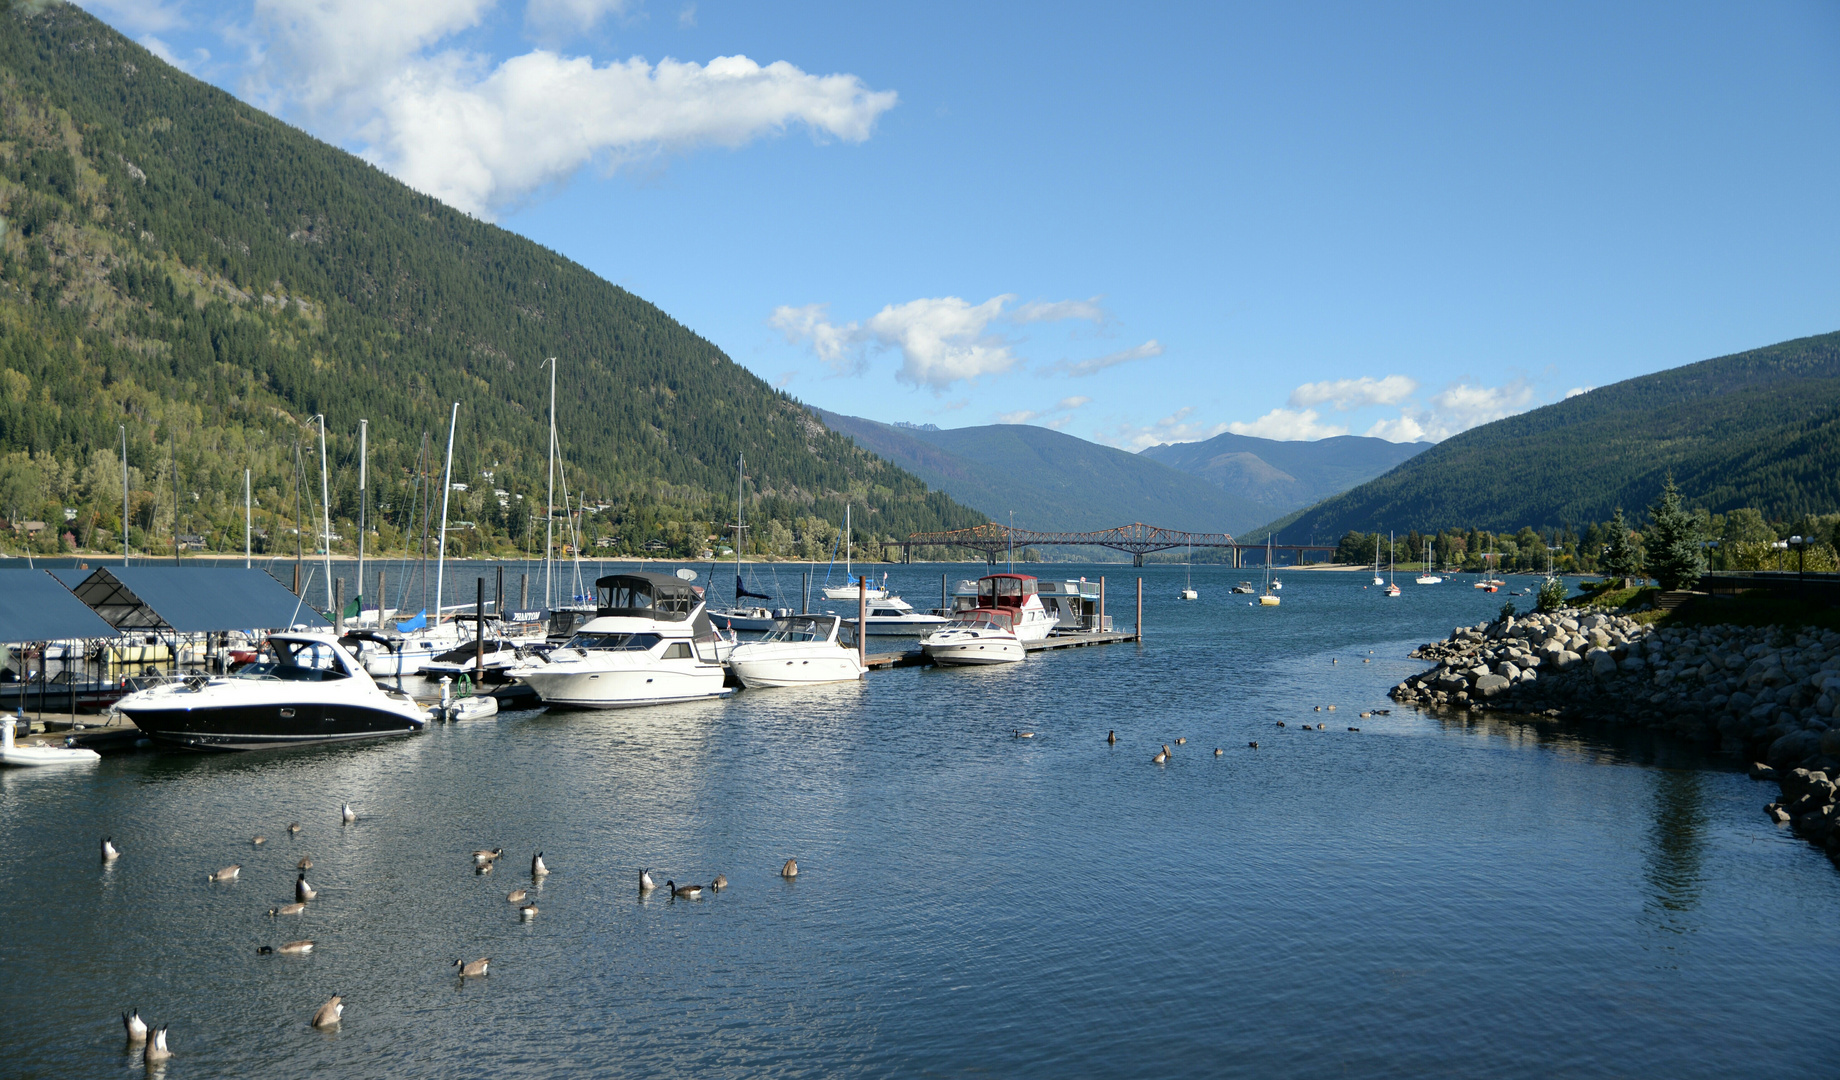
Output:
x=549 y=516
x=325 y=510
x=447 y=485
x=248 y=518
x=124 y=494
x=364 y=432
x=740 y=470
x=847 y=572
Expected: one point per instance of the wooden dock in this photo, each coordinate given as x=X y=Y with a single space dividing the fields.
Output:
x=915 y=658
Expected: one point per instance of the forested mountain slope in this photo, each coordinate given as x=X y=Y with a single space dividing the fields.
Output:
x=1758 y=429
x=176 y=261
x=1053 y=482
x=1284 y=476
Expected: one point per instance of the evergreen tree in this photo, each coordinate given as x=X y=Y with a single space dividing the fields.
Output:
x=1620 y=556
x=1675 y=557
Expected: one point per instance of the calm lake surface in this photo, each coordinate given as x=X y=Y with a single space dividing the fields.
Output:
x=1426 y=897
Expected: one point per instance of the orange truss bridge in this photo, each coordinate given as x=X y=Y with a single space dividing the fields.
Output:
x=1138 y=539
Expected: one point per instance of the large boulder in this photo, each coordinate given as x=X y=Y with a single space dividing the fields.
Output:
x=1489 y=685
x=1793 y=749
x=1507 y=670
x=1603 y=663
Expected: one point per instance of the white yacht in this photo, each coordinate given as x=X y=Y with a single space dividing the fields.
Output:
x=994 y=625
x=895 y=617
x=748 y=620
x=407 y=654
x=650 y=642
x=797 y=651
x=303 y=688
x=1075 y=605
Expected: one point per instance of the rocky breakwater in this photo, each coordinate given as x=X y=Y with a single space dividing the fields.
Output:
x=1769 y=693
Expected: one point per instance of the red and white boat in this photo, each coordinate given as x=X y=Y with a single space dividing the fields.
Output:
x=994 y=626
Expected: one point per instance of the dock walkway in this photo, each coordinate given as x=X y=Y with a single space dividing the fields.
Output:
x=916 y=658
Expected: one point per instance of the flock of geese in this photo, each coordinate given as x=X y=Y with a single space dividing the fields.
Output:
x=156 y=1052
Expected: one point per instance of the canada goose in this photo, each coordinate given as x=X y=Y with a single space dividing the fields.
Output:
x=720 y=883
x=1161 y=757
x=110 y=853
x=287 y=909
x=791 y=869
x=304 y=892
x=328 y=1014
x=258 y=841
x=1025 y=734
x=1181 y=741
x=1167 y=750
x=295 y=948
x=228 y=873
x=483 y=868
x=1354 y=729
x=692 y=891
x=1280 y=723
x=137 y=1028
x=294 y=828
x=157 y=1050
x=305 y=863
x=1322 y=727
x=1334 y=661
x=646 y=884
x=1331 y=708
x=537 y=869
x=1365 y=715
x=1254 y=745
x=1366 y=661
x=1319 y=708
x=1218 y=751
x=481 y=858
x=516 y=896
x=1111 y=737
x=347 y=814
x=476 y=968
x=527 y=912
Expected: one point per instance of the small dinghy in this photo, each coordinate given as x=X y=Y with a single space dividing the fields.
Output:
x=12 y=753
x=477 y=707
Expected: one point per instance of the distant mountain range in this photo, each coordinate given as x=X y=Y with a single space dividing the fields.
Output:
x=1758 y=428
x=1053 y=482
x=1283 y=477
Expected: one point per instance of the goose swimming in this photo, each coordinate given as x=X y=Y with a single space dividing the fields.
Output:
x=646 y=884
x=228 y=873
x=328 y=1014
x=157 y=1050
x=1025 y=734
x=1182 y=741
x=294 y=828
x=305 y=863
x=527 y=912
x=482 y=858
x=1253 y=745
x=304 y=892
x=258 y=841
x=347 y=814
x=791 y=869
x=295 y=948
x=137 y=1028
x=482 y=868
x=720 y=883
x=474 y=969
x=516 y=896
x=1218 y=751
x=109 y=851
x=692 y=891
x=287 y=909
x=537 y=869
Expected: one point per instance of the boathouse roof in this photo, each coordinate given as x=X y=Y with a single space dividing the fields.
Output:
x=34 y=606
x=189 y=599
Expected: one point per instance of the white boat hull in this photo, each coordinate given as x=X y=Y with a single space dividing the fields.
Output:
x=977 y=651
x=615 y=688
x=760 y=672
x=850 y=592
x=12 y=753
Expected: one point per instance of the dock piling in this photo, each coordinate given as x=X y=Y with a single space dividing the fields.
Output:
x=338 y=607
x=524 y=592
x=1140 y=609
x=479 y=633
x=862 y=620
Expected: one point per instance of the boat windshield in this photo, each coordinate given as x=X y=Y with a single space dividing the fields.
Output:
x=297 y=661
x=801 y=629
x=973 y=620
x=614 y=642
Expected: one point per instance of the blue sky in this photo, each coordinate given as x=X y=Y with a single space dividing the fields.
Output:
x=1136 y=223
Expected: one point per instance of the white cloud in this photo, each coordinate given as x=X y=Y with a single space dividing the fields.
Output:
x=1399 y=429
x=1022 y=416
x=1173 y=428
x=1073 y=402
x=1100 y=363
x=481 y=137
x=687 y=17
x=1346 y=394
x=1576 y=390
x=1456 y=408
x=574 y=14
x=1057 y=310
x=942 y=340
x=136 y=16
x=1047 y=417
x=1288 y=425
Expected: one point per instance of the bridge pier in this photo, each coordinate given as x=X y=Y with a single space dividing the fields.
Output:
x=1137 y=558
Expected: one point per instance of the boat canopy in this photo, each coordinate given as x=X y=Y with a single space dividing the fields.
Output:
x=1005 y=590
x=804 y=628
x=645 y=596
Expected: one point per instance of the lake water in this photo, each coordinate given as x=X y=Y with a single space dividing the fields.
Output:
x=1426 y=897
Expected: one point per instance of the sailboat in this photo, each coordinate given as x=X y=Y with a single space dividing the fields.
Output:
x=1489 y=582
x=738 y=617
x=849 y=590
x=1270 y=598
x=1391 y=589
x=1428 y=576
x=1378 y=580
x=1188 y=581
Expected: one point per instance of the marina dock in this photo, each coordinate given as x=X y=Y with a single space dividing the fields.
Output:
x=916 y=658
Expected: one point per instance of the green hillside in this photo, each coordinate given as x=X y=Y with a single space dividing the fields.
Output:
x=1053 y=482
x=1758 y=429
x=183 y=264
x=1284 y=476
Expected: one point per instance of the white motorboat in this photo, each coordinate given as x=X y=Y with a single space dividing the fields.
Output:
x=797 y=651
x=392 y=656
x=1075 y=605
x=12 y=753
x=303 y=688
x=1245 y=588
x=649 y=642
x=975 y=637
x=501 y=655
x=748 y=620
x=895 y=617
x=1017 y=594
